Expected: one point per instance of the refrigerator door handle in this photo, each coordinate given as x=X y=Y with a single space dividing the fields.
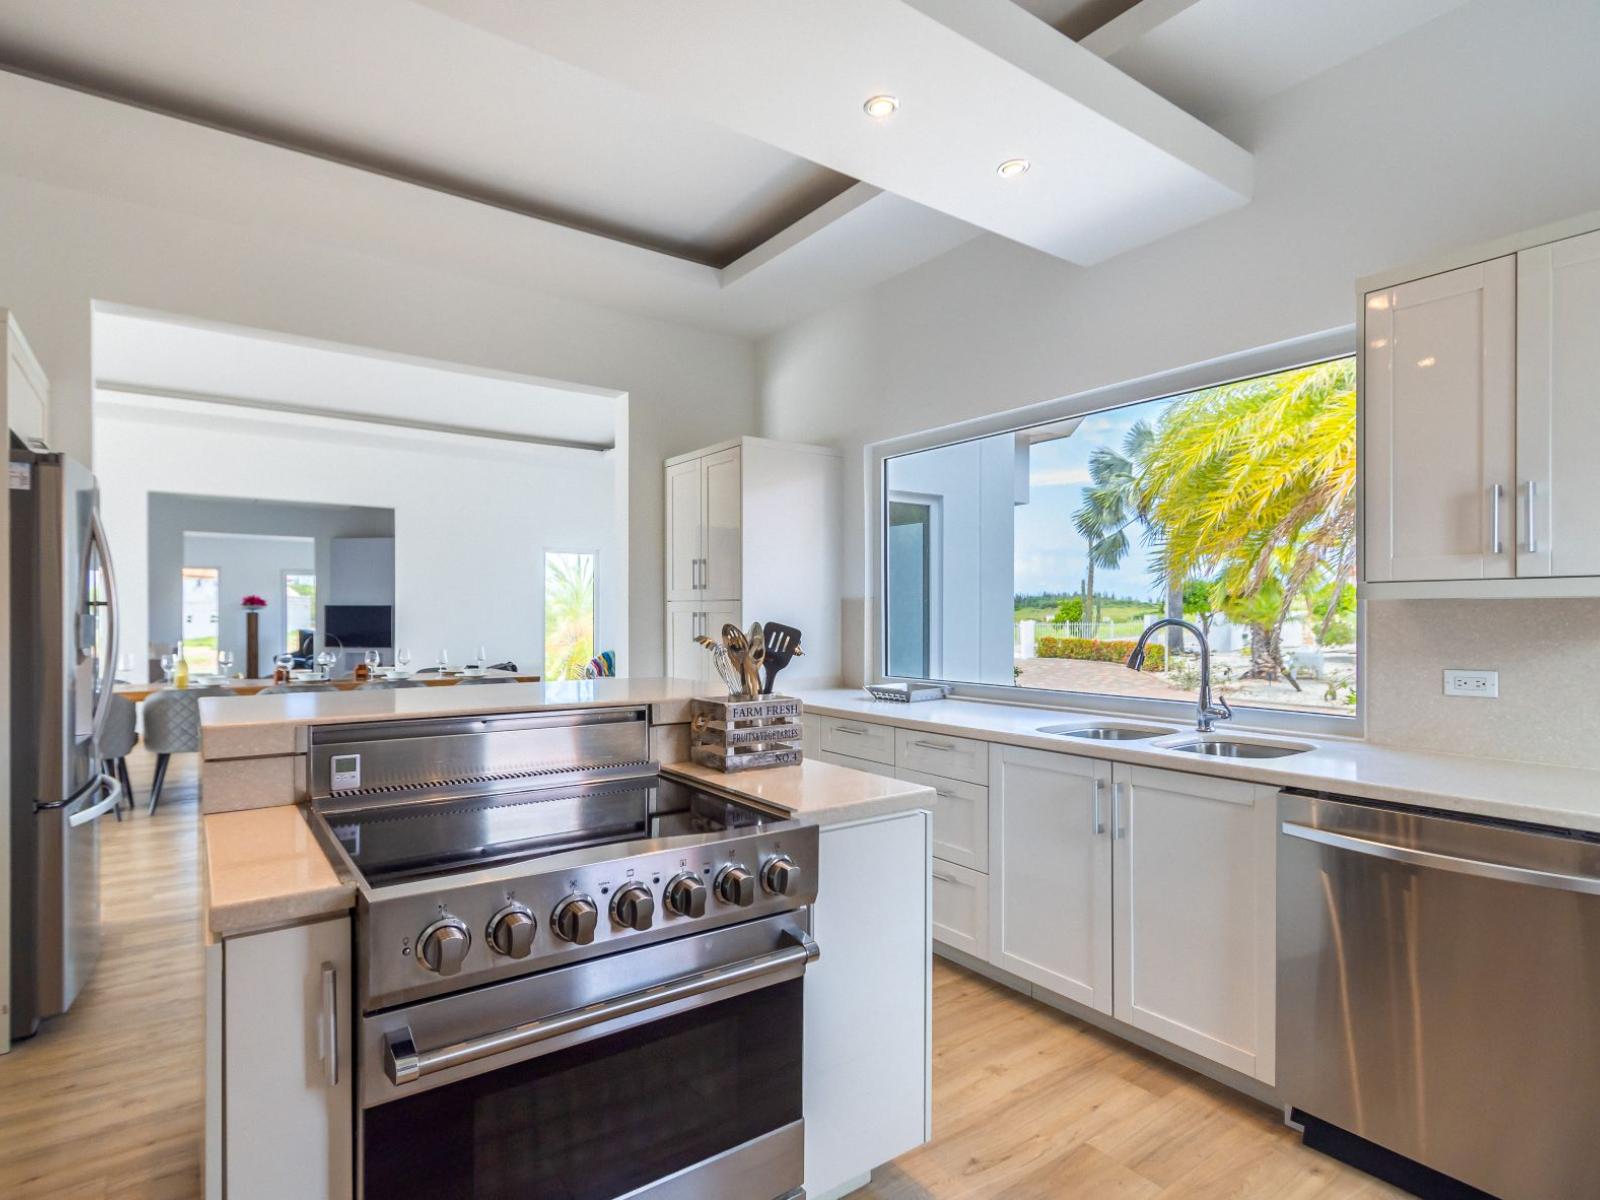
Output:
x=94 y=812
x=108 y=669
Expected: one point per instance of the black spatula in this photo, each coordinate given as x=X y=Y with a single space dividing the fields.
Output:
x=782 y=645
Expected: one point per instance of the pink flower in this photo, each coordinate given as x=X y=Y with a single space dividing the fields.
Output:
x=253 y=602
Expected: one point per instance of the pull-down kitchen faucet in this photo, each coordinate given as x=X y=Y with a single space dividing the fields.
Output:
x=1207 y=712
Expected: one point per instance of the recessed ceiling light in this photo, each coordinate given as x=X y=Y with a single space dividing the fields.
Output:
x=880 y=106
x=1012 y=167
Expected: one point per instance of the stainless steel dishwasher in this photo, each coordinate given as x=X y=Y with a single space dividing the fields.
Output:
x=1439 y=997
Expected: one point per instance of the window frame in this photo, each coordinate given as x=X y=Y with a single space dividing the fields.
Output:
x=1267 y=360
x=283 y=600
x=544 y=556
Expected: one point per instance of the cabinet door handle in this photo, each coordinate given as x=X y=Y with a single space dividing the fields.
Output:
x=1496 y=495
x=330 y=1024
x=1119 y=808
x=1097 y=821
x=1533 y=518
x=943 y=878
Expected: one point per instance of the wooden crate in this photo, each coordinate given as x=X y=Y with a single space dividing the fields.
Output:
x=740 y=735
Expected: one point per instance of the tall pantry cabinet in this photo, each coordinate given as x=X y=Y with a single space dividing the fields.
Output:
x=752 y=534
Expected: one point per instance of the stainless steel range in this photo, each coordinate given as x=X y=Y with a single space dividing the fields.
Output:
x=576 y=977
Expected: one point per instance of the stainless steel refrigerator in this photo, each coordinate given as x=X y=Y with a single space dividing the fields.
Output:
x=63 y=655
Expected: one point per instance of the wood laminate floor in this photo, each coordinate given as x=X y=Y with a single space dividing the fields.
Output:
x=1029 y=1104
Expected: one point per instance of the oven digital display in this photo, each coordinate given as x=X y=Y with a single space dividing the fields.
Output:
x=346 y=772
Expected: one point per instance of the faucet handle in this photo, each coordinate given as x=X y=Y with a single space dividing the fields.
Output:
x=1221 y=710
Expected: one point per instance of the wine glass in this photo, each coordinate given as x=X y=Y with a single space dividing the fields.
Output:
x=169 y=664
x=483 y=658
x=225 y=663
x=374 y=659
x=402 y=657
x=325 y=661
x=444 y=661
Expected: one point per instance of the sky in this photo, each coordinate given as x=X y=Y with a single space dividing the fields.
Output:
x=1050 y=553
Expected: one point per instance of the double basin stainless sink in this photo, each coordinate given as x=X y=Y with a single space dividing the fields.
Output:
x=1209 y=745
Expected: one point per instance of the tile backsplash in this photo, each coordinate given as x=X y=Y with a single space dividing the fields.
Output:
x=1546 y=651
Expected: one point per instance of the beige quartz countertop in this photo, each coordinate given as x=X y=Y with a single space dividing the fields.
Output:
x=814 y=791
x=1562 y=797
x=251 y=726
x=264 y=867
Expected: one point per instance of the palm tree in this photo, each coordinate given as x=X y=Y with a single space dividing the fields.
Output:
x=568 y=614
x=1112 y=504
x=1253 y=484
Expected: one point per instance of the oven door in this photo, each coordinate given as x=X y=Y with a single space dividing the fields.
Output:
x=669 y=1072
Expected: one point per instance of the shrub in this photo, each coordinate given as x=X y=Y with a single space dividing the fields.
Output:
x=1091 y=650
x=1069 y=611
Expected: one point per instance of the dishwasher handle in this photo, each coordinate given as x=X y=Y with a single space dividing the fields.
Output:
x=1504 y=872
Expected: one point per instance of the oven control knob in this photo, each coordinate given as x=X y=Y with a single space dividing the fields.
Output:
x=574 y=920
x=511 y=931
x=686 y=895
x=442 y=945
x=781 y=875
x=736 y=885
x=634 y=907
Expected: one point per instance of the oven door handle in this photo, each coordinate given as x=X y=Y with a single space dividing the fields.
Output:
x=404 y=1063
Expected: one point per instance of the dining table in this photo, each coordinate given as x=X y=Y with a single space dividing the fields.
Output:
x=249 y=687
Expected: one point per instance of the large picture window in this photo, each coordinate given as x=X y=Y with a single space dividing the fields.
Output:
x=1034 y=558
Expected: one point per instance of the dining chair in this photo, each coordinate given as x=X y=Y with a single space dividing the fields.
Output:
x=117 y=742
x=172 y=726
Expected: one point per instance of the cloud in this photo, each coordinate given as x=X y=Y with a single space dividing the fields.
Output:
x=1059 y=477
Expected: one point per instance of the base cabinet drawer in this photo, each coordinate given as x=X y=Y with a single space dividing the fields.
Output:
x=939 y=754
x=859 y=764
x=857 y=739
x=960 y=819
x=961 y=908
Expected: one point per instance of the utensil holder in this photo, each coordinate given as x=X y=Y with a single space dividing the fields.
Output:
x=742 y=735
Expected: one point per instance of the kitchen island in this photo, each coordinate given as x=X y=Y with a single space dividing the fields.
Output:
x=284 y=913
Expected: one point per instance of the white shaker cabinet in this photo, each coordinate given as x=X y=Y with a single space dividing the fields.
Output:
x=686 y=658
x=868 y=1035
x=283 y=1126
x=1195 y=928
x=1481 y=428
x=1558 y=408
x=1050 y=872
x=1440 y=417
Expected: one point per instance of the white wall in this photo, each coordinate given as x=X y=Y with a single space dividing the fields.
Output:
x=472 y=517
x=1473 y=126
x=244 y=565
x=169 y=515
x=63 y=249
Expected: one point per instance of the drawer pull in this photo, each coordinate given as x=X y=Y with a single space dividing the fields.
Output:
x=855 y=729
x=945 y=746
x=943 y=878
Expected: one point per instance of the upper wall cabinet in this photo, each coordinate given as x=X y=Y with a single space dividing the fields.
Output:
x=703 y=525
x=27 y=392
x=1481 y=428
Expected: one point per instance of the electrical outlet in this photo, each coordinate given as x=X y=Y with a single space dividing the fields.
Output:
x=1485 y=685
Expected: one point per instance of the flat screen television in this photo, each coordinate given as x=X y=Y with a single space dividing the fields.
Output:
x=359 y=626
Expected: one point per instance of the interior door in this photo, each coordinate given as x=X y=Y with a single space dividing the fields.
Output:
x=721 y=573
x=1558 y=416
x=1440 y=403
x=684 y=541
x=1050 y=890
